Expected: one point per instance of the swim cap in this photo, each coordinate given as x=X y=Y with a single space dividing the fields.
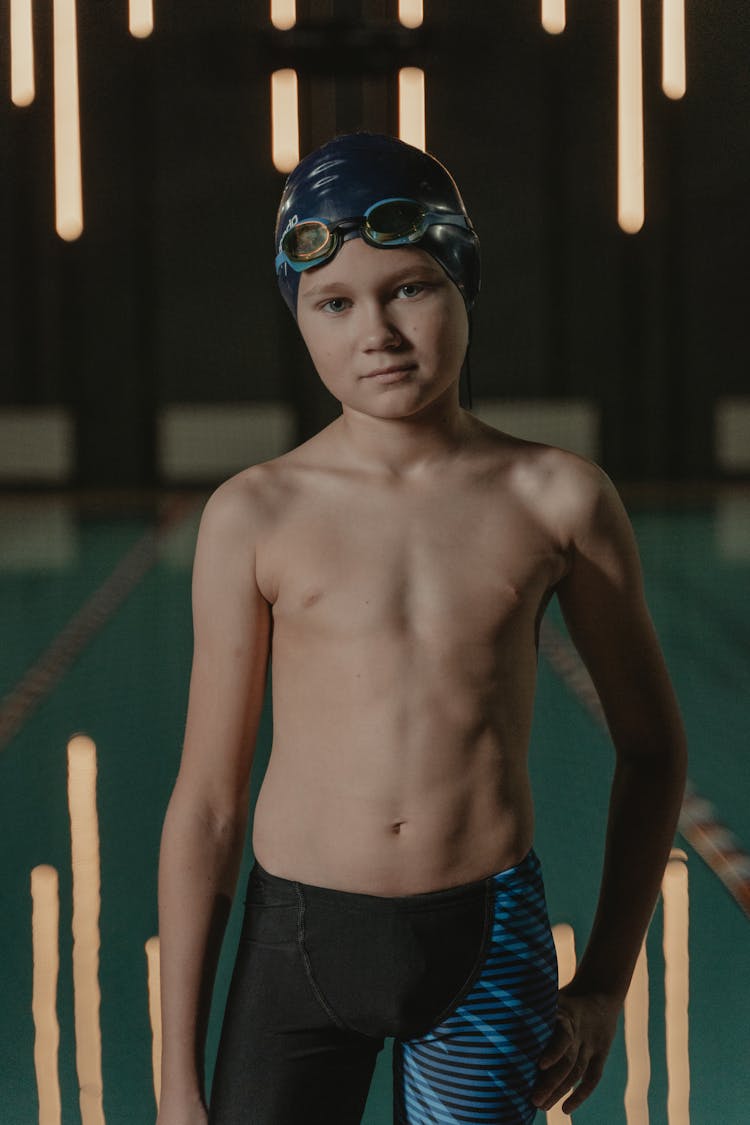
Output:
x=345 y=176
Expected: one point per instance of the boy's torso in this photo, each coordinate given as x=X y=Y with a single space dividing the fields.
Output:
x=404 y=646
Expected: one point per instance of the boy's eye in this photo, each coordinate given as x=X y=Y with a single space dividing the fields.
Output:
x=338 y=302
x=414 y=286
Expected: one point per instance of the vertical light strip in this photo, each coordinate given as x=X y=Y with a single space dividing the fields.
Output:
x=45 y=920
x=68 y=195
x=283 y=14
x=410 y=13
x=284 y=120
x=84 y=837
x=636 y=1044
x=140 y=18
x=553 y=16
x=154 y=1011
x=21 y=53
x=411 y=115
x=630 y=193
x=565 y=949
x=673 y=81
x=676 y=987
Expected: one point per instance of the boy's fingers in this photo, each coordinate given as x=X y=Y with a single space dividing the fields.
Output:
x=589 y=1082
x=560 y=1042
x=562 y=1087
x=558 y=1079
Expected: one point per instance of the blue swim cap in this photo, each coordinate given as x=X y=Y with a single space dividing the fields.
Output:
x=345 y=176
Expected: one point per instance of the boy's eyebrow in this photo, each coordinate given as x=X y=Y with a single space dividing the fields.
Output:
x=407 y=271
x=316 y=289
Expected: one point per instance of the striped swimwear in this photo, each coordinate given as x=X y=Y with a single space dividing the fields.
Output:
x=463 y=979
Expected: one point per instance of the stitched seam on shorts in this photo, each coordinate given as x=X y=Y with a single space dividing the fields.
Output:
x=466 y=987
x=308 y=971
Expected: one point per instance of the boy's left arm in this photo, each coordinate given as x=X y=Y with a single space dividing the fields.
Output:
x=603 y=602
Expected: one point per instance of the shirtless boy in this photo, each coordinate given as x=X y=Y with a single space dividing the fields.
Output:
x=396 y=567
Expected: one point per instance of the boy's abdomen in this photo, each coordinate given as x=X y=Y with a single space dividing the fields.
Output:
x=312 y=823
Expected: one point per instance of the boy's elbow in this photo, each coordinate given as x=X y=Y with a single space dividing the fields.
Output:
x=223 y=815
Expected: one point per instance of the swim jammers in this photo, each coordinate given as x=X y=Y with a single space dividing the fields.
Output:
x=463 y=979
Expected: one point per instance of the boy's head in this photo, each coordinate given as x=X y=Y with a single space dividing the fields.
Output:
x=383 y=190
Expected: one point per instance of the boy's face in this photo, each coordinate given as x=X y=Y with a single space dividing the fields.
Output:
x=368 y=309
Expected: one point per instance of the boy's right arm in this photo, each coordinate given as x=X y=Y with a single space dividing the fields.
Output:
x=205 y=823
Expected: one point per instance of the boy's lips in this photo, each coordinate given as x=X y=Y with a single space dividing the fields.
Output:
x=390 y=370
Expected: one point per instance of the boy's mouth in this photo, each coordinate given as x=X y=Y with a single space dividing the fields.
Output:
x=390 y=370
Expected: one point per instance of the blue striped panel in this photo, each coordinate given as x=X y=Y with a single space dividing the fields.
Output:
x=479 y=1065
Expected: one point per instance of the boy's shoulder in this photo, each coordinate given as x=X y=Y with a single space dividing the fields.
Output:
x=547 y=466
x=238 y=504
x=251 y=497
x=566 y=491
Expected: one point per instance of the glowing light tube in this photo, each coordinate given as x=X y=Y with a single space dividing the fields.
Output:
x=154 y=1011
x=565 y=948
x=140 y=18
x=284 y=120
x=410 y=13
x=676 y=987
x=673 y=81
x=45 y=919
x=636 y=1044
x=67 y=129
x=283 y=14
x=21 y=53
x=553 y=16
x=630 y=193
x=84 y=836
x=411 y=115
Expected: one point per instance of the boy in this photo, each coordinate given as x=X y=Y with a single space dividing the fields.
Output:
x=398 y=564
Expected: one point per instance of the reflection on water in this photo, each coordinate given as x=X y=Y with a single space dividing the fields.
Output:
x=45 y=920
x=154 y=1011
x=635 y=1020
x=676 y=986
x=84 y=839
x=565 y=947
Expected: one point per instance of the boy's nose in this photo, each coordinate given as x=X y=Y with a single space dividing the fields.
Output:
x=378 y=330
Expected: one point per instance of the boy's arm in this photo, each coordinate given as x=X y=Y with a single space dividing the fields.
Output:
x=205 y=823
x=603 y=603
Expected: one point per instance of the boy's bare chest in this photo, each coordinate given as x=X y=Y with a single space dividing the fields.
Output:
x=443 y=562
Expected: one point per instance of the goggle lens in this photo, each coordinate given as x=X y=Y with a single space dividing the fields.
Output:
x=396 y=218
x=306 y=241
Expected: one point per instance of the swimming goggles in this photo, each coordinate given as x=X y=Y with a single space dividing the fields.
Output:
x=389 y=222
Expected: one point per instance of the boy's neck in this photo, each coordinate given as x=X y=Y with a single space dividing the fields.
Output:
x=402 y=447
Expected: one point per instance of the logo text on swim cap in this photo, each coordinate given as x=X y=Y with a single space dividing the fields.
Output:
x=291 y=223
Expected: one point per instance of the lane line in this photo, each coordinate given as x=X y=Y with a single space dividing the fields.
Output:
x=47 y=671
x=699 y=823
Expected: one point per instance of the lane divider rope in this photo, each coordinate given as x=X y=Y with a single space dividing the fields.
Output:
x=43 y=675
x=699 y=822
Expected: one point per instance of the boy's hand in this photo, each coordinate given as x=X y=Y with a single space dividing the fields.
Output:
x=182 y=1111
x=577 y=1051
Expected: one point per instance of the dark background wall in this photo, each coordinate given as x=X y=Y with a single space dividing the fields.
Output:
x=169 y=294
